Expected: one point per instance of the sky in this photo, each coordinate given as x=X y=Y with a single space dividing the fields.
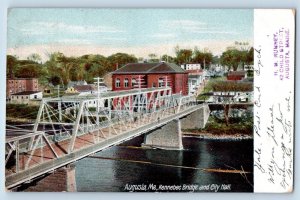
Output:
x=76 y=32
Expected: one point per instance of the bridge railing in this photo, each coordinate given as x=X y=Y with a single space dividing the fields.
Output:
x=47 y=142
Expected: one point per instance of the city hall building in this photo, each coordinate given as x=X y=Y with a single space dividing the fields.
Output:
x=151 y=75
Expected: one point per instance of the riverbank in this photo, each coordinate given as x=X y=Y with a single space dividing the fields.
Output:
x=206 y=135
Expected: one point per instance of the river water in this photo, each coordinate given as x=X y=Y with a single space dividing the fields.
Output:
x=128 y=167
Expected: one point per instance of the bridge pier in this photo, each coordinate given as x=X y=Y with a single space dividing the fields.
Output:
x=61 y=180
x=168 y=136
x=197 y=119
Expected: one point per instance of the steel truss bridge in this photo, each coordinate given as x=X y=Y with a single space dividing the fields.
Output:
x=72 y=127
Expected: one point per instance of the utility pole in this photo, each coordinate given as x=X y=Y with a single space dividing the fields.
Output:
x=59 y=104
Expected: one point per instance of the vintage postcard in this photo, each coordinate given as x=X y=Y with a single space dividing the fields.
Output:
x=150 y=100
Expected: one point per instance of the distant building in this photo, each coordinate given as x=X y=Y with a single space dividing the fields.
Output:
x=249 y=67
x=150 y=75
x=73 y=83
x=242 y=95
x=81 y=89
x=102 y=87
x=16 y=85
x=107 y=79
x=26 y=96
x=236 y=96
x=191 y=66
x=236 y=75
x=196 y=79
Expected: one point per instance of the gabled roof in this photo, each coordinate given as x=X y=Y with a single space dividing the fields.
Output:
x=237 y=73
x=149 y=68
x=26 y=93
x=84 y=88
x=74 y=83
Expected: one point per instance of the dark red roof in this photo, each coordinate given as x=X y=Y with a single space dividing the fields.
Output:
x=84 y=88
x=237 y=73
x=26 y=93
x=149 y=68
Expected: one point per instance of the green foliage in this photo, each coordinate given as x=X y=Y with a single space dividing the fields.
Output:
x=168 y=58
x=238 y=125
x=183 y=55
x=233 y=58
x=153 y=58
x=34 y=57
x=208 y=88
x=23 y=111
x=120 y=59
x=228 y=86
x=86 y=67
x=55 y=80
x=30 y=71
x=204 y=58
x=12 y=64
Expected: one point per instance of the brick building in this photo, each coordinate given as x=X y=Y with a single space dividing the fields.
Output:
x=148 y=75
x=16 y=85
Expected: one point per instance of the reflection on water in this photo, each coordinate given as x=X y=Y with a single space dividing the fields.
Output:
x=113 y=168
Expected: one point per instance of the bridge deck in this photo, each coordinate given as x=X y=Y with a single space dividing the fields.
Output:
x=42 y=160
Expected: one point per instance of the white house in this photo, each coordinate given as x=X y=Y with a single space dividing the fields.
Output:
x=26 y=96
x=192 y=66
x=102 y=87
x=233 y=97
x=196 y=79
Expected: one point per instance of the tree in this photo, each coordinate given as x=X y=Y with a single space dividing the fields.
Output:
x=183 y=55
x=228 y=90
x=204 y=58
x=119 y=59
x=29 y=71
x=231 y=58
x=97 y=70
x=250 y=56
x=11 y=66
x=55 y=80
x=167 y=58
x=153 y=57
x=34 y=57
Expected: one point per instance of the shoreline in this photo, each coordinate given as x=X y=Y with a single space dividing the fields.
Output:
x=205 y=135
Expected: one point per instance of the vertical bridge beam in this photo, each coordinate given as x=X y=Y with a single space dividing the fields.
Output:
x=76 y=127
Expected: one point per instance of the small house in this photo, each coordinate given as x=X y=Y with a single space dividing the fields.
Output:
x=26 y=96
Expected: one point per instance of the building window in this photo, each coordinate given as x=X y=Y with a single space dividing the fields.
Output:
x=160 y=82
x=126 y=82
x=133 y=82
x=153 y=84
x=118 y=84
x=35 y=96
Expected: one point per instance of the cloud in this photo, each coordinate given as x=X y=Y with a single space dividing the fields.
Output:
x=163 y=35
x=39 y=28
x=183 y=23
x=193 y=26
